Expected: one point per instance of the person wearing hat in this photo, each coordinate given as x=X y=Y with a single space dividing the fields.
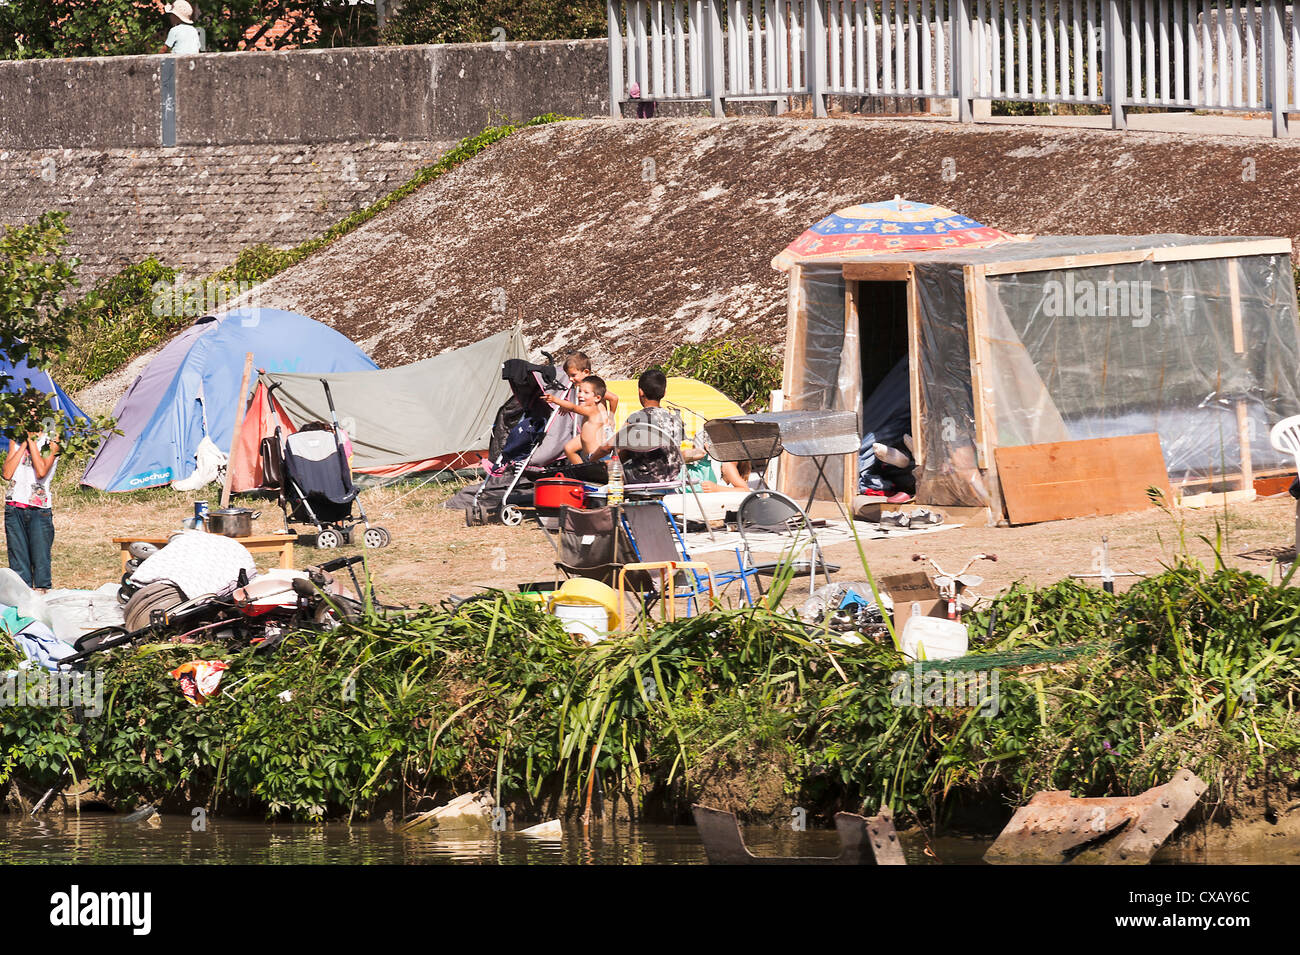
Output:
x=183 y=38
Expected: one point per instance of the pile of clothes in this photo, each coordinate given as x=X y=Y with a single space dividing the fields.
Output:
x=885 y=462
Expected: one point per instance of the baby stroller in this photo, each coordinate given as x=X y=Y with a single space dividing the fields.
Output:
x=528 y=436
x=311 y=471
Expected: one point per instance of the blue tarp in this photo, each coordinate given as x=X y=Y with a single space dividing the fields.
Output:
x=190 y=390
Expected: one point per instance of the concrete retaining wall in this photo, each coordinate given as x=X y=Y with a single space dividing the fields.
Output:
x=412 y=94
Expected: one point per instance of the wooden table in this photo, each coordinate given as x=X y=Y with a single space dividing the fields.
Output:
x=281 y=544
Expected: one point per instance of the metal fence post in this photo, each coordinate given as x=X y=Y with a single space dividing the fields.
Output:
x=815 y=54
x=1113 y=63
x=1275 y=56
x=716 y=64
x=615 y=59
x=962 y=75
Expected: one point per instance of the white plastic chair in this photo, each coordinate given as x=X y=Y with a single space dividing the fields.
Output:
x=1285 y=437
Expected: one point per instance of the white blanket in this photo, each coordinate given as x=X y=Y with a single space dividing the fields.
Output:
x=197 y=562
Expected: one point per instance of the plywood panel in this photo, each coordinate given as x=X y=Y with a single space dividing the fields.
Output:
x=1052 y=482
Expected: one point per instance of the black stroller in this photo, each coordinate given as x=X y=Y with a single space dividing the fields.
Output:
x=310 y=469
x=527 y=430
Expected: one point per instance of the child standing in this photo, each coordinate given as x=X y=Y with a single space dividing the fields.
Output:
x=29 y=517
x=578 y=366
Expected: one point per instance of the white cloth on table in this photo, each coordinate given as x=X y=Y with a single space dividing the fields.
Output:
x=197 y=562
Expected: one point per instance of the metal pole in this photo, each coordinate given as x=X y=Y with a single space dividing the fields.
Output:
x=815 y=51
x=962 y=74
x=1113 y=63
x=1275 y=66
x=716 y=87
x=615 y=59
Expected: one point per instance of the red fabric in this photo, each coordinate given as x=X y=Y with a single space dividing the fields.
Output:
x=260 y=422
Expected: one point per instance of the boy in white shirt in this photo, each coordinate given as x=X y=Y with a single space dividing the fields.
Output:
x=183 y=38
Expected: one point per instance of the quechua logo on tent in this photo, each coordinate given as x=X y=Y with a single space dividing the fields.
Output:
x=150 y=478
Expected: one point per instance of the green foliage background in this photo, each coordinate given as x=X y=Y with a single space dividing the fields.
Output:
x=471 y=21
x=41 y=28
x=742 y=369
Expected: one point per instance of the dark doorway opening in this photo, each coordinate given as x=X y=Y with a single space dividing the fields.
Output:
x=882 y=329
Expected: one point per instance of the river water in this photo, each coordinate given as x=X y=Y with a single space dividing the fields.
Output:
x=105 y=840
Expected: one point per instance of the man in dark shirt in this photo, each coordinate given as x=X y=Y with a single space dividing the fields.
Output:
x=650 y=444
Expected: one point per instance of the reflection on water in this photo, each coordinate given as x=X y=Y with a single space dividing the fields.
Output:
x=106 y=840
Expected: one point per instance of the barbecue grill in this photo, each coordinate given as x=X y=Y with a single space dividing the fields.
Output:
x=818 y=435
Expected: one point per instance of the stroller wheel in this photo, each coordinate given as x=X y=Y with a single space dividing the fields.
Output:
x=375 y=537
x=511 y=516
x=328 y=539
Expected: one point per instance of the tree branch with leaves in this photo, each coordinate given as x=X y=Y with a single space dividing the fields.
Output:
x=36 y=327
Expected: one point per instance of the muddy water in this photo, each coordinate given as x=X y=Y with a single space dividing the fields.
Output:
x=105 y=840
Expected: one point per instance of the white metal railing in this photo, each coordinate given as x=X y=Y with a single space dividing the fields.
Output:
x=888 y=48
x=1197 y=54
x=1040 y=51
x=765 y=47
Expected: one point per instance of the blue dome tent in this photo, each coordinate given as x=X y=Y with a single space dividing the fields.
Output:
x=191 y=389
x=16 y=378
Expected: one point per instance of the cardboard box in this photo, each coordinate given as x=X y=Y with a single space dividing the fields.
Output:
x=914 y=587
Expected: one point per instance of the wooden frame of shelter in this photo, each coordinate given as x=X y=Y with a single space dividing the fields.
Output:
x=808 y=384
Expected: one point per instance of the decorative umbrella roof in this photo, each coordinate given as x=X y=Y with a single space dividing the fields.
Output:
x=894 y=226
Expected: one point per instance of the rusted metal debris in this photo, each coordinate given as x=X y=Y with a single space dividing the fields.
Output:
x=1055 y=828
x=863 y=841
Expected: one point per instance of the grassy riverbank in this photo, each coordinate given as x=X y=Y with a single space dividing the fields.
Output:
x=1096 y=693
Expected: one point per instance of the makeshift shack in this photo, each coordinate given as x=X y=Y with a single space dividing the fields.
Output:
x=1013 y=341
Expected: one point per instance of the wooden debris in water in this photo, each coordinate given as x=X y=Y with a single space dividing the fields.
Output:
x=545 y=830
x=474 y=810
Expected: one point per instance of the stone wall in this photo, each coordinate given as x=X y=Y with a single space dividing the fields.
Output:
x=196 y=207
x=411 y=93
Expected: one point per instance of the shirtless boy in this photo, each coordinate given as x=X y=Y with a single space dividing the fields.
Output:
x=596 y=438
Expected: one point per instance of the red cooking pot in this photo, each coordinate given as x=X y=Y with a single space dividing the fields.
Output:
x=559 y=491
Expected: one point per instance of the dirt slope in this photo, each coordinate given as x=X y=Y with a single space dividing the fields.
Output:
x=628 y=238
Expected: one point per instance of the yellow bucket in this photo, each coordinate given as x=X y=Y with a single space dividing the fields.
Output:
x=582 y=590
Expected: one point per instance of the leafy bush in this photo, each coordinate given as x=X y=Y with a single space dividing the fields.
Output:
x=1099 y=694
x=742 y=369
x=37 y=326
x=120 y=321
x=471 y=21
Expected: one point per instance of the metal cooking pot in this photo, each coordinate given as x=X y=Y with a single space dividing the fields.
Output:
x=231 y=521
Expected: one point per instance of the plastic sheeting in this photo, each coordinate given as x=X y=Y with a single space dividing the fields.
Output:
x=948 y=471
x=1147 y=347
x=828 y=376
x=1059 y=368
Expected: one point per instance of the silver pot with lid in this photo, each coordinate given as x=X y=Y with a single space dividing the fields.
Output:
x=231 y=521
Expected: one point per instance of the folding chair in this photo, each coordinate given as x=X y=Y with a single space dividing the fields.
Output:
x=597 y=544
x=1285 y=437
x=593 y=543
x=650 y=454
x=773 y=512
x=656 y=539
x=654 y=531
